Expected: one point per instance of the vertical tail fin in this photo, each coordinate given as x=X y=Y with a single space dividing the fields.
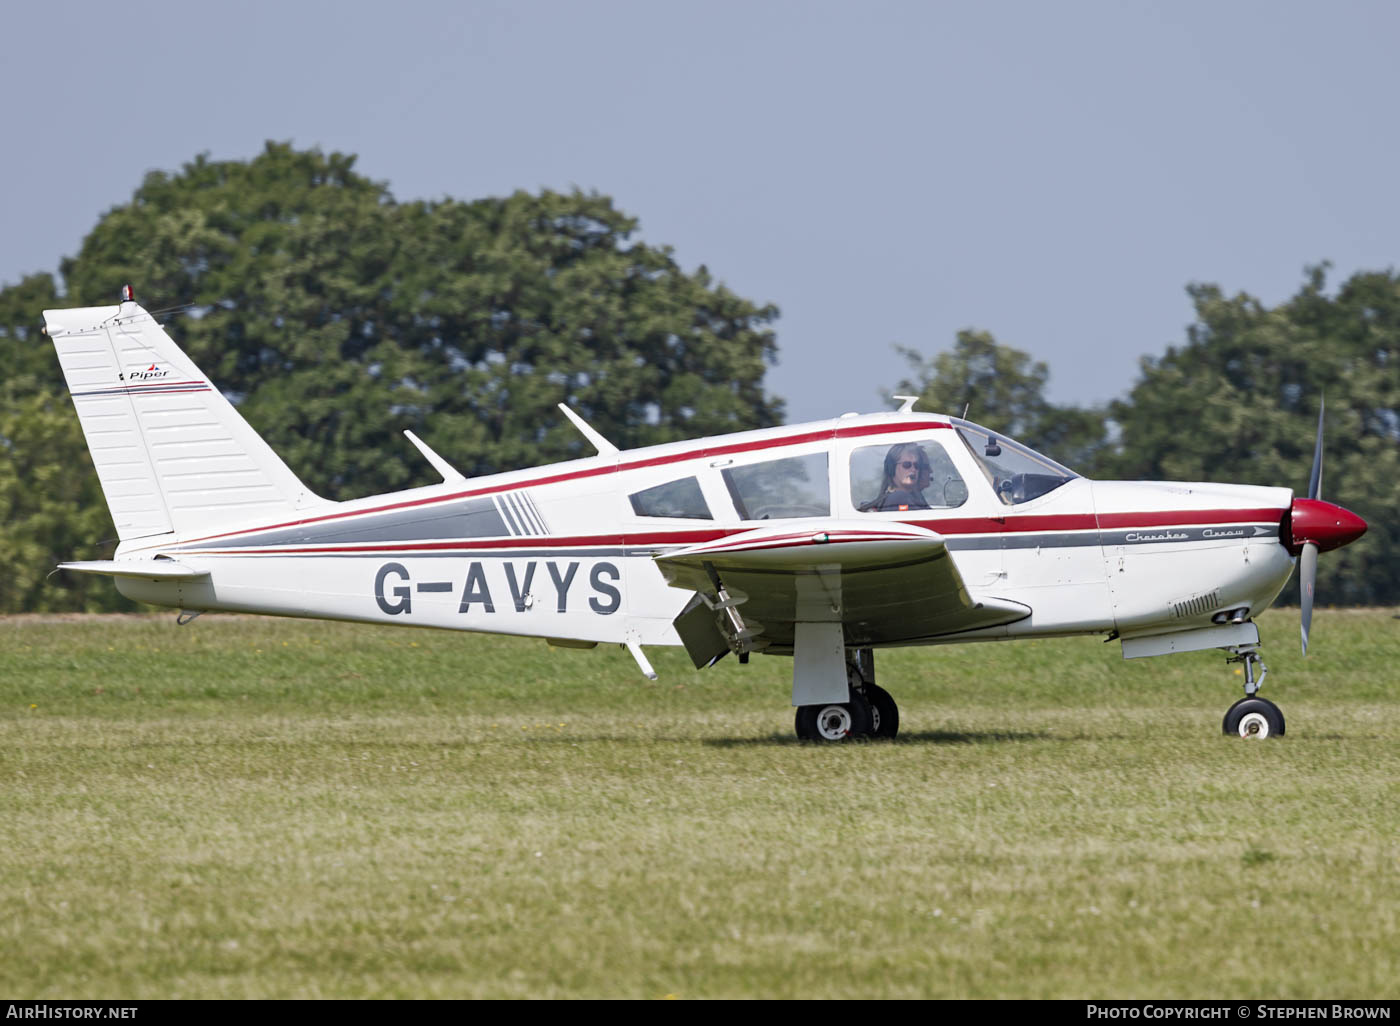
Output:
x=171 y=452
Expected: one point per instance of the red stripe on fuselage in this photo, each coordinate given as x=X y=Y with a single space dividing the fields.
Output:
x=1180 y=517
x=505 y=544
x=1031 y=522
x=950 y=526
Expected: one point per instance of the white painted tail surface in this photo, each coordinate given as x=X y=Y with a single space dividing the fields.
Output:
x=171 y=452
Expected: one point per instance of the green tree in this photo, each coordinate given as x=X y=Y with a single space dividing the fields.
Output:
x=1239 y=403
x=25 y=354
x=50 y=502
x=1002 y=388
x=51 y=506
x=335 y=317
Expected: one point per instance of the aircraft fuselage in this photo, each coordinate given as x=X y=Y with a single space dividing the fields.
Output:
x=567 y=551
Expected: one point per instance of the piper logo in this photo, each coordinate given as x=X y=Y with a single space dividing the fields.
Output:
x=151 y=373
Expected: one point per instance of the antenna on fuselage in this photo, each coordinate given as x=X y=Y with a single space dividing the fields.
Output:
x=909 y=401
x=604 y=447
x=450 y=475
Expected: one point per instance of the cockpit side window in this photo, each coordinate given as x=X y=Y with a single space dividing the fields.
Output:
x=905 y=476
x=781 y=489
x=681 y=499
x=1016 y=473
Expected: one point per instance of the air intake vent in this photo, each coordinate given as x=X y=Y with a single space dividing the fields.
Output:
x=1196 y=606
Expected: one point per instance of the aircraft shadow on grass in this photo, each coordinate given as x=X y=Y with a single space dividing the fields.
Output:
x=930 y=737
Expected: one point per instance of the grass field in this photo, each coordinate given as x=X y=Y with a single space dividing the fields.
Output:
x=260 y=808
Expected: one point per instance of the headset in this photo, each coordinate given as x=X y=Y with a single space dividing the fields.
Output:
x=892 y=459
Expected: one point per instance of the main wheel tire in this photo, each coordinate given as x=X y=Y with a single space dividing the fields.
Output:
x=884 y=714
x=844 y=722
x=1253 y=718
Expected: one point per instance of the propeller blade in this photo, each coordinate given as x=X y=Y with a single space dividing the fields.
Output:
x=1315 y=482
x=1307 y=580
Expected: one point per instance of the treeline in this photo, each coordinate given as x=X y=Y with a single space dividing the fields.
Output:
x=336 y=316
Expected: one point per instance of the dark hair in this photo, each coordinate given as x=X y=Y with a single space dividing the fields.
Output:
x=892 y=459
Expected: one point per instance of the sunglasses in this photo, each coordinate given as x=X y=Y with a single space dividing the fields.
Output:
x=906 y=464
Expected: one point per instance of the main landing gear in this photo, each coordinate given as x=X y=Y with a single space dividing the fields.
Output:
x=868 y=712
x=1252 y=716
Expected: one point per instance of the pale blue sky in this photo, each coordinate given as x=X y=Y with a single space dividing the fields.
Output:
x=886 y=173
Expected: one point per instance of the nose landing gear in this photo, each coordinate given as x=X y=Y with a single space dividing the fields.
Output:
x=1252 y=716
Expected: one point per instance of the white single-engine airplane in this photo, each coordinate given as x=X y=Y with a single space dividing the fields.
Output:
x=822 y=541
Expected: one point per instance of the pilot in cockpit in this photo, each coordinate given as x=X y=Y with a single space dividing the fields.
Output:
x=907 y=474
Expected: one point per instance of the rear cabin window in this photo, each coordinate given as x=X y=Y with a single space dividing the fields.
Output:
x=905 y=476
x=680 y=499
x=781 y=489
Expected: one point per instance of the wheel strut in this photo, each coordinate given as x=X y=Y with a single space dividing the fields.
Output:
x=1249 y=655
x=860 y=673
x=860 y=668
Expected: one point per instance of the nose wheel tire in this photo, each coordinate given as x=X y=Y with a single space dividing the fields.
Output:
x=1254 y=718
x=884 y=714
x=844 y=722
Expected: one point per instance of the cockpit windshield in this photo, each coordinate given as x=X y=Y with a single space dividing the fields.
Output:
x=1016 y=473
